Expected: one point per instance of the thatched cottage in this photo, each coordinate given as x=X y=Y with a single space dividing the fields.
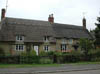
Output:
x=21 y=35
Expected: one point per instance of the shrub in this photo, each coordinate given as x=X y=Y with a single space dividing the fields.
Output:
x=43 y=53
x=2 y=53
x=86 y=45
x=58 y=53
x=45 y=61
x=32 y=53
x=50 y=53
x=23 y=54
x=95 y=55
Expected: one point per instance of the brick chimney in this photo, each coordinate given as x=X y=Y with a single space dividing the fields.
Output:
x=84 y=22
x=51 y=18
x=3 y=11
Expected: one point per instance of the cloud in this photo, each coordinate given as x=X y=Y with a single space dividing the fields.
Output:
x=65 y=11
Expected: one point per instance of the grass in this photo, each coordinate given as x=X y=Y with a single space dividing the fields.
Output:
x=42 y=65
x=85 y=63
x=27 y=65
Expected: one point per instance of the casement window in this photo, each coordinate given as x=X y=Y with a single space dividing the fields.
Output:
x=46 y=38
x=63 y=47
x=19 y=38
x=19 y=47
x=46 y=48
x=64 y=41
x=70 y=41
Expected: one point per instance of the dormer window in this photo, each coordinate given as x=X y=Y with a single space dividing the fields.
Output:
x=19 y=38
x=46 y=38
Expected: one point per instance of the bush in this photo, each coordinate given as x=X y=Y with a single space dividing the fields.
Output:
x=86 y=45
x=45 y=61
x=95 y=55
x=50 y=53
x=43 y=53
x=32 y=53
x=24 y=54
x=2 y=52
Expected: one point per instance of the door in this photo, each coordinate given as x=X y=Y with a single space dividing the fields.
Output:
x=36 y=48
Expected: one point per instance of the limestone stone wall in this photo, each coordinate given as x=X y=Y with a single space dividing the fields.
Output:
x=9 y=47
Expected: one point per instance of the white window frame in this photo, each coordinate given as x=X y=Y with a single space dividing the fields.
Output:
x=70 y=41
x=19 y=47
x=63 y=47
x=46 y=48
x=19 y=38
x=46 y=38
x=64 y=41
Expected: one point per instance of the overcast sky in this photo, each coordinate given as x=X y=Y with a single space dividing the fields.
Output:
x=65 y=11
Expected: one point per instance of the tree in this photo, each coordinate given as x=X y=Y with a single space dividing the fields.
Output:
x=97 y=33
x=86 y=45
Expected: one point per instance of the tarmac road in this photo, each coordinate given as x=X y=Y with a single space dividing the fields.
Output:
x=79 y=72
x=63 y=69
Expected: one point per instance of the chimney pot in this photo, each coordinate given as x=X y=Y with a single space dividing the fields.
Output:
x=51 y=18
x=3 y=13
x=84 y=22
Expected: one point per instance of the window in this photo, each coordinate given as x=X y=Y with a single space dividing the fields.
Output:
x=19 y=38
x=64 y=41
x=19 y=47
x=70 y=41
x=46 y=48
x=63 y=47
x=46 y=38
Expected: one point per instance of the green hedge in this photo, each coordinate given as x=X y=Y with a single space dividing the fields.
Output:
x=51 y=57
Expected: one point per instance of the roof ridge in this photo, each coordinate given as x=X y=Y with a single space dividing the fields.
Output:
x=25 y=19
x=68 y=24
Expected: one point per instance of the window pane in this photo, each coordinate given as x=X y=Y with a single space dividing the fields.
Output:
x=19 y=37
x=46 y=47
x=63 y=47
x=16 y=47
x=19 y=47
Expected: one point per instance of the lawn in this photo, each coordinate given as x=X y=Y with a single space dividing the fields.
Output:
x=27 y=65
x=42 y=65
x=84 y=63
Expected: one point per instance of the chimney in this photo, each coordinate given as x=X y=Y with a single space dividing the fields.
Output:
x=51 y=18
x=84 y=23
x=3 y=11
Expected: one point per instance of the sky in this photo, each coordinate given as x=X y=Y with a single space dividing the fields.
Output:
x=64 y=11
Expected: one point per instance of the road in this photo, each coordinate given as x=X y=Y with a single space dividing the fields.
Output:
x=63 y=69
x=79 y=72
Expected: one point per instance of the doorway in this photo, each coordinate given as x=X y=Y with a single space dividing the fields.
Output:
x=36 y=48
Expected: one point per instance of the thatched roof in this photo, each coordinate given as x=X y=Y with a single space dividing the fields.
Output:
x=35 y=30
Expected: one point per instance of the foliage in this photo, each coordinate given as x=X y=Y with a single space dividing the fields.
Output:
x=95 y=54
x=86 y=45
x=50 y=53
x=23 y=54
x=45 y=61
x=97 y=32
x=2 y=52
x=76 y=53
x=43 y=53
x=32 y=53
x=58 y=53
